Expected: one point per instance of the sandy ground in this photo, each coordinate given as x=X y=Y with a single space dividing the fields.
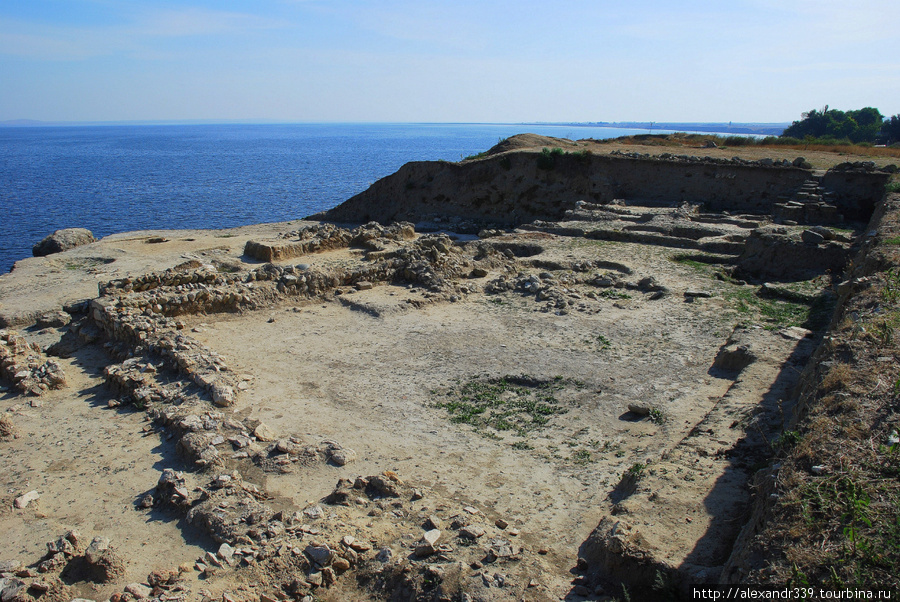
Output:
x=368 y=369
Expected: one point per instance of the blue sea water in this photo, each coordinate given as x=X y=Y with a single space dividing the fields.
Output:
x=112 y=179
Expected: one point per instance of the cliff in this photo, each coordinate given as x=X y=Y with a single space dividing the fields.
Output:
x=522 y=179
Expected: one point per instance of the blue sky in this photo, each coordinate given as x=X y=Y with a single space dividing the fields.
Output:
x=467 y=60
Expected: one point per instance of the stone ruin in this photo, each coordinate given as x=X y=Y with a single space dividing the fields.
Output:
x=184 y=386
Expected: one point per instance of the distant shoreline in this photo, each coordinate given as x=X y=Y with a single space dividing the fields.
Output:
x=761 y=129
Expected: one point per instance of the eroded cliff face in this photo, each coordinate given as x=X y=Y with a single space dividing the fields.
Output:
x=518 y=186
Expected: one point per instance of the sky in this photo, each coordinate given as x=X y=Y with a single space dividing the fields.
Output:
x=462 y=61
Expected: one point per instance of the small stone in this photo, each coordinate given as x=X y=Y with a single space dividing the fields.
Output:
x=264 y=433
x=694 y=294
x=321 y=555
x=343 y=456
x=138 y=590
x=315 y=579
x=795 y=333
x=417 y=495
x=384 y=555
x=500 y=548
x=286 y=446
x=363 y=285
x=818 y=470
x=434 y=522
x=639 y=408
x=314 y=512
x=23 y=500
x=501 y=524
x=543 y=551
x=812 y=238
x=223 y=395
x=360 y=546
x=471 y=532
x=340 y=564
x=328 y=577
x=226 y=552
x=428 y=544
x=96 y=550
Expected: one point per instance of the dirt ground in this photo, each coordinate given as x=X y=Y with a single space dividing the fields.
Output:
x=377 y=370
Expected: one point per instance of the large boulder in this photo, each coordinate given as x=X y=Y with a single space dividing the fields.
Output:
x=63 y=240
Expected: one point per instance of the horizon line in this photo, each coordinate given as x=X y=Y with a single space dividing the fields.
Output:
x=160 y=122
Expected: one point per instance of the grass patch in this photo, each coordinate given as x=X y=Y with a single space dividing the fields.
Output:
x=600 y=342
x=611 y=293
x=476 y=156
x=781 y=313
x=706 y=265
x=686 y=260
x=863 y=518
x=657 y=416
x=582 y=457
x=516 y=404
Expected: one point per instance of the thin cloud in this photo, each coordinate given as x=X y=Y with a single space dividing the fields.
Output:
x=141 y=33
x=201 y=22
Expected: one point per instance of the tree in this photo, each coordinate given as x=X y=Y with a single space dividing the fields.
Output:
x=890 y=130
x=862 y=125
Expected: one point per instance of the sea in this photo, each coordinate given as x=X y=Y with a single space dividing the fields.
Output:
x=119 y=178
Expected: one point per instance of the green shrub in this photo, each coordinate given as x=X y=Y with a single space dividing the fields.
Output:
x=738 y=141
x=547 y=159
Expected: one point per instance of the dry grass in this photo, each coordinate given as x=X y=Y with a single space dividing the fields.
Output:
x=837 y=521
x=863 y=151
x=837 y=378
x=698 y=141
